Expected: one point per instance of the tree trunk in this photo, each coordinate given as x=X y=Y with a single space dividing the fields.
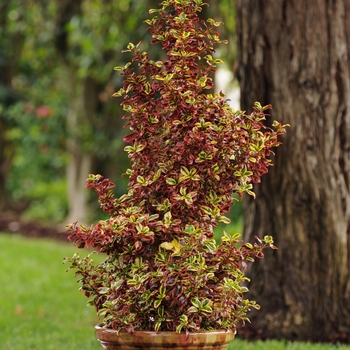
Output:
x=295 y=55
x=82 y=111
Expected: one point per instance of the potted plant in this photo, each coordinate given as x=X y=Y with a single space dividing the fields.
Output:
x=191 y=153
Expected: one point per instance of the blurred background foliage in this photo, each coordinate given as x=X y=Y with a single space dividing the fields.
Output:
x=58 y=122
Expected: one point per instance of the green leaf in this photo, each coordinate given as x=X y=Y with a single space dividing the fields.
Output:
x=187 y=93
x=189 y=229
x=153 y=217
x=153 y=120
x=157 y=325
x=176 y=245
x=225 y=237
x=158 y=37
x=184 y=171
x=188 y=199
x=146 y=295
x=140 y=179
x=170 y=181
x=196 y=303
x=191 y=100
x=119 y=93
x=268 y=240
x=224 y=219
x=161 y=257
x=147 y=88
x=161 y=311
x=169 y=77
x=159 y=77
x=157 y=302
x=167 y=245
x=139 y=148
x=142 y=229
x=129 y=109
x=210 y=245
x=179 y=328
x=192 y=309
x=207 y=210
x=162 y=291
x=183 y=318
x=202 y=81
x=183 y=191
x=214 y=23
x=103 y=290
x=202 y=156
x=206 y=309
x=117 y=284
x=218 y=61
x=167 y=218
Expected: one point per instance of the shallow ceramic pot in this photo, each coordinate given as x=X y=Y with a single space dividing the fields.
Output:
x=145 y=340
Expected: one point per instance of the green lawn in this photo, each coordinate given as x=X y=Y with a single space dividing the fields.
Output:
x=40 y=305
x=41 y=308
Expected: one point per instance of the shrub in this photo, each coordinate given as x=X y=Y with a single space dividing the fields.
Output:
x=190 y=153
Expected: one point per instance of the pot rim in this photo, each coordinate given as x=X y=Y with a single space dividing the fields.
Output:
x=102 y=328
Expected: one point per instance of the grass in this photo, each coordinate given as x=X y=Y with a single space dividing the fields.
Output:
x=40 y=305
x=41 y=308
x=279 y=345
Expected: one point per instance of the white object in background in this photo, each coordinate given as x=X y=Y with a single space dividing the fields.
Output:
x=224 y=82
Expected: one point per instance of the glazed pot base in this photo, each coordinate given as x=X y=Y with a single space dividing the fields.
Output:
x=145 y=340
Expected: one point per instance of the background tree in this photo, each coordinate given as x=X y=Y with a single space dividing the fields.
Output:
x=89 y=35
x=225 y=11
x=11 y=40
x=295 y=55
x=58 y=121
x=65 y=75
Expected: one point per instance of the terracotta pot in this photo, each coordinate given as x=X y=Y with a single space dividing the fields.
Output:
x=145 y=340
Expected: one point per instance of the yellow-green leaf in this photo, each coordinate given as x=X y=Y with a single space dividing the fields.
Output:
x=167 y=245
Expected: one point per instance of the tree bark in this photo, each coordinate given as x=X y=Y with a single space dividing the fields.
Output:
x=295 y=55
x=80 y=162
